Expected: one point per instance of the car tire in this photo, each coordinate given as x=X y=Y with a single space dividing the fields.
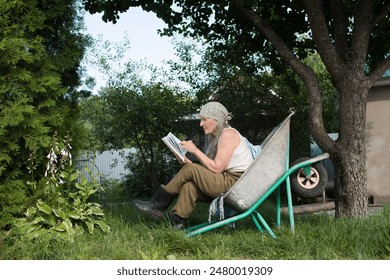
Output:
x=308 y=186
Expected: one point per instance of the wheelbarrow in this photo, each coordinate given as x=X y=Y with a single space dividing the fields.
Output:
x=262 y=178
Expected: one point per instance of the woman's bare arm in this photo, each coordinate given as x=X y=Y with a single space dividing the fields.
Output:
x=228 y=141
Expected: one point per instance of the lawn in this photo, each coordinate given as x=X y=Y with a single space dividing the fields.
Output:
x=134 y=237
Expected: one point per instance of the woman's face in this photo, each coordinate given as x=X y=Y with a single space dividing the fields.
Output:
x=208 y=125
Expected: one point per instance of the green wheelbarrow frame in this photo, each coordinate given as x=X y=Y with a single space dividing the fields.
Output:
x=262 y=178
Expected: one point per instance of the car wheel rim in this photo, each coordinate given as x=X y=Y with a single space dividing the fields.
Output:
x=308 y=181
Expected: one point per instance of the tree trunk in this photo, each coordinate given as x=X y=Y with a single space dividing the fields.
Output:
x=346 y=67
x=349 y=155
x=351 y=185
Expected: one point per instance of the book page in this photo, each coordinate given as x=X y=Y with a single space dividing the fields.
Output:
x=173 y=144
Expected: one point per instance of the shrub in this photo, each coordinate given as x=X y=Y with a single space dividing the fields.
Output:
x=64 y=210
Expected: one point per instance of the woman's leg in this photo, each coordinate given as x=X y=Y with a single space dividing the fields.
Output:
x=156 y=207
x=188 y=197
x=195 y=182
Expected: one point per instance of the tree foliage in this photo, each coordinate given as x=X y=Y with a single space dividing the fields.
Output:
x=40 y=50
x=132 y=111
x=348 y=36
x=259 y=100
x=229 y=24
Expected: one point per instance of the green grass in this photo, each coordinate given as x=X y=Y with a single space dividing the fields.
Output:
x=134 y=237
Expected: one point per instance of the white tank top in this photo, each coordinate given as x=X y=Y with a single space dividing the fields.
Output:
x=241 y=157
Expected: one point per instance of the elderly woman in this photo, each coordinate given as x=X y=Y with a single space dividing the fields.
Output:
x=226 y=157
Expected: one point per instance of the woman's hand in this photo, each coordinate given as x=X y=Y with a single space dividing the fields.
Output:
x=189 y=146
x=186 y=160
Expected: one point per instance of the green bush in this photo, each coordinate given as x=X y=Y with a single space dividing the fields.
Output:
x=64 y=210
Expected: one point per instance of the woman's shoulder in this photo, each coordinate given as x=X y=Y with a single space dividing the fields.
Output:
x=230 y=132
x=229 y=137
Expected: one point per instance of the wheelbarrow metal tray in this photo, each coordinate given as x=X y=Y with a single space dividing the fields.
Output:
x=264 y=171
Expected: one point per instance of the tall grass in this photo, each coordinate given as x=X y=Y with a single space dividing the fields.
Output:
x=134 y=237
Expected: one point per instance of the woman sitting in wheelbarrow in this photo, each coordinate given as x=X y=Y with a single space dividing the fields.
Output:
x=226 y=157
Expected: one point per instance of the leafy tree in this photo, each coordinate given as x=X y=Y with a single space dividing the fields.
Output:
x=132 y=111
x=40 y=50
x=348 y=36
x=258 y=99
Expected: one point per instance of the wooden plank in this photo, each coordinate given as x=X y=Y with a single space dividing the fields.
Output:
x=310 y=208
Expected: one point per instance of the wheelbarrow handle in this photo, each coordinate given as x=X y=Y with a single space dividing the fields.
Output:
x=309 y=161
x=319 y=158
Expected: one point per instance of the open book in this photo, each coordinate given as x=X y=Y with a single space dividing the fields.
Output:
x=173 y=144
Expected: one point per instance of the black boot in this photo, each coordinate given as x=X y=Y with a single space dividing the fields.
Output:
x=155 y=208
x=176 y=221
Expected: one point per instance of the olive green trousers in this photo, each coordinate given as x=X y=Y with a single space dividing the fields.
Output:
x=195 y=182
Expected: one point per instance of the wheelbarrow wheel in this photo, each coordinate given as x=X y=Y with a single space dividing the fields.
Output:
x=309 y=183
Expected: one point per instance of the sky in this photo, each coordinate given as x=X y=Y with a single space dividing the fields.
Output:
x=141 y=29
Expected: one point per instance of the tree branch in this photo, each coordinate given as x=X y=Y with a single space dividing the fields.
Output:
x=322 y=38
x=361 y=31
x=272 y=37
x=305 y=72
x=378 y=72
x=340 y=27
